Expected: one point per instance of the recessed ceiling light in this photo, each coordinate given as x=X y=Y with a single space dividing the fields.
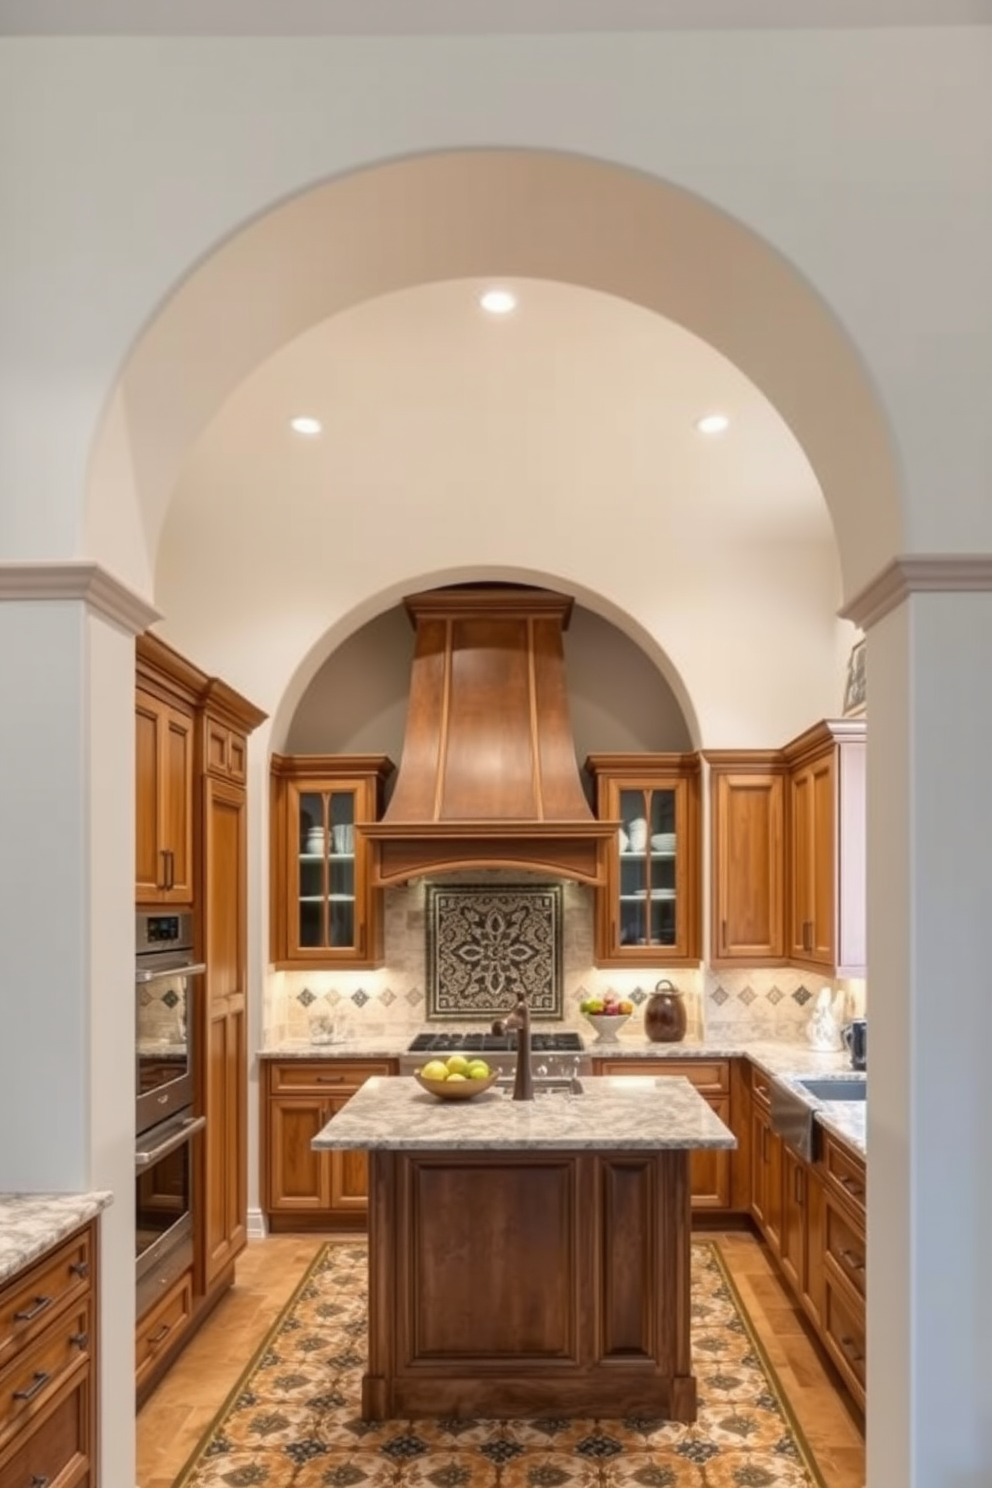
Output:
x=305 y=425
x=498 y=301
x=713 y=423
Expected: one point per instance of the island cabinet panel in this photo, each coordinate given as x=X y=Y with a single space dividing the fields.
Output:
x=454 y=1205
x=711 y=1172
x=542 y=1282
x=302 y=1189
x=48 y=1365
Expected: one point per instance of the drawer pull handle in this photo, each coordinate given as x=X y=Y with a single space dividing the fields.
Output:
x=851 y=1187
x=855 y=1262
x=156 y=1338
x=81 y=1340
x=40 y=1381
x=849 y=1347
x=39 y=1481
x=329 y=1079
x=30 y=1313
x=80 y=1268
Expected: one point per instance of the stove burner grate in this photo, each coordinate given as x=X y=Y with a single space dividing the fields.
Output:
x=494 y=1043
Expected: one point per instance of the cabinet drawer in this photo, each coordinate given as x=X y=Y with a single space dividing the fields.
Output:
x=843 y=1174
x=31 y=1302
x=56 y=1447
x=162 y=1325
x=330 y=1074
x=761 y=1085
x=844 y=1243
x=844 y=1332
x=30 y=1380
x=225 y=751
x=709 y=1075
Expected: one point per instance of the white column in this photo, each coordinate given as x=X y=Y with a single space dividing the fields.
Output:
x=67 y=928
x=930 y=1016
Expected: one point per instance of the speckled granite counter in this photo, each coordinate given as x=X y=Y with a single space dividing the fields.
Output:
x=30 y=1224
x=622 y=1113
x=381 y=1046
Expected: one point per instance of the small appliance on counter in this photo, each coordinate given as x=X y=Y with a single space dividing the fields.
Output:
x=855 y=1036
x=664 y=1014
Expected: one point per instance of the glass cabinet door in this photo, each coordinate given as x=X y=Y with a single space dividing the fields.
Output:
x=326 y=899
x=647 y=884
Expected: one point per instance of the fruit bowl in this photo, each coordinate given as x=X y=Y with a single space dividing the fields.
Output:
x=607 y=1025
x=456 y=1089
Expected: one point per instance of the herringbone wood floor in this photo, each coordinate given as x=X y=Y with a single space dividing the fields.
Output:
x=173 y=1419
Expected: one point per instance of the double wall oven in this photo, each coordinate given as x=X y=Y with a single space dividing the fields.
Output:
x=168 y=986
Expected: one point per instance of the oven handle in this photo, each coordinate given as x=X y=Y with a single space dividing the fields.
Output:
x=188 y=968
x=143 y=1158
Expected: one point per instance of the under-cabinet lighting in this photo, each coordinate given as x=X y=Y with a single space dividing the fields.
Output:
x=305 y=425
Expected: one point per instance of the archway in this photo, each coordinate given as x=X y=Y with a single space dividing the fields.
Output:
x=467 y=213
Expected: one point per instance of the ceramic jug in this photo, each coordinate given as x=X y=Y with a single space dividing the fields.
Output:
x=664 y=1014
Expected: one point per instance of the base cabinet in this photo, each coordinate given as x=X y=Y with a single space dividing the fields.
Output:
x=48 y=1362
x=304 y=1189
x=812 y=1217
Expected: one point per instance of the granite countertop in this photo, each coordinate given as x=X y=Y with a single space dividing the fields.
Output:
x=31 y=1224
x=845 y=1119
x=614 y=1113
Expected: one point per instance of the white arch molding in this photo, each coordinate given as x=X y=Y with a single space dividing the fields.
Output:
x=463 y=214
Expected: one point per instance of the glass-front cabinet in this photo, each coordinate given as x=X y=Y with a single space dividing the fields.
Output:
x=324 y=912
x=648 y=914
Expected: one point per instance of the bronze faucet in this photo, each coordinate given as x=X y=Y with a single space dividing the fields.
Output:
x=519 y=1019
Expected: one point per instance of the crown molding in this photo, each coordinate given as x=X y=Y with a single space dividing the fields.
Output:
x=934 y=573
x=78 y=579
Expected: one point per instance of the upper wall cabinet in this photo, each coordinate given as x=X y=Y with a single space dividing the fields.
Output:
x=747 y=819
x=324 y=910
x=164 y=773
x=648 y=914
x=826 y=848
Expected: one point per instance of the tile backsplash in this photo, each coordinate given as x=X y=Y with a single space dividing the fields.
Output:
x=773 y=1003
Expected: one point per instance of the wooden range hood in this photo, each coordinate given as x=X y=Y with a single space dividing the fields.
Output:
x=488 y=776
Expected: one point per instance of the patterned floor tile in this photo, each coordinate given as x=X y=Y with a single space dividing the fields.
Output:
x=295 y=1421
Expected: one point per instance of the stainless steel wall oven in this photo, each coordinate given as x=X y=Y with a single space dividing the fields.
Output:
x=167 y=981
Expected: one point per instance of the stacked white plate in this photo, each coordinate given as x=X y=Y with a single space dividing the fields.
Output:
x=663 y=842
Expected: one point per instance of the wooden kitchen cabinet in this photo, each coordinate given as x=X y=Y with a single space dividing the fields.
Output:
x=163 y=801
x=648 y=913
x=766 y=1165
x=49 y=1316
x=842 y=1259
x=747 y=817
x=303 y=1189
x=826 y=848
x=710 y=1172
x=324 y=910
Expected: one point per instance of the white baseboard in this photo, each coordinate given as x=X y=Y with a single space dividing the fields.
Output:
x=256 y=1225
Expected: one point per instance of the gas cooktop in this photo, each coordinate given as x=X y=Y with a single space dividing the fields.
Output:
x=494 y=1043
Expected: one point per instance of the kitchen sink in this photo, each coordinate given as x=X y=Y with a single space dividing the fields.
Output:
x=793 y=1106
x=843 y=1088
x=545 y=1085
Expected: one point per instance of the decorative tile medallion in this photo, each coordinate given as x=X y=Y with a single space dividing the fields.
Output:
x=486 y=943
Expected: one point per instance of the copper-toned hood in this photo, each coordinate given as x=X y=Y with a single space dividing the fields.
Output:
x=488 y=775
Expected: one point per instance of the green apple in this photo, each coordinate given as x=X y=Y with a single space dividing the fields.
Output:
x=435 y=1069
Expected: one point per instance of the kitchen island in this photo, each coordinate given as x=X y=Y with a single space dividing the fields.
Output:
x=529 y=1258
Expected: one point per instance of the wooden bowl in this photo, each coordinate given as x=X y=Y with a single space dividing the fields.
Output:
x=456 y=1089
